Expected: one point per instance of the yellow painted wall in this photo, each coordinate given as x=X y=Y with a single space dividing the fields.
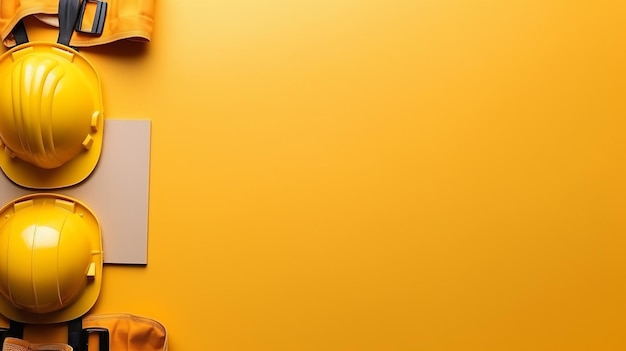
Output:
x=380 y=175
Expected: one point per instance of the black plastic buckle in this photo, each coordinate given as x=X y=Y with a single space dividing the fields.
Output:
x=98 y=18
x=103 y=338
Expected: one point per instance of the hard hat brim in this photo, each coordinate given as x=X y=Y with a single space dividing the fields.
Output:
x=71 y=173
x=92 y=290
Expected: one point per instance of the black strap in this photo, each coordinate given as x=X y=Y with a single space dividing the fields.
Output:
x=19 y=33
x=16 y=330
x=68 y=14
x=74 y=331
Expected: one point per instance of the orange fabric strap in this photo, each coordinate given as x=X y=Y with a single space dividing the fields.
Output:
x=14 y=344
x=125 y=20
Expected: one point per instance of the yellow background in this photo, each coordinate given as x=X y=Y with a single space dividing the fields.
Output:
x=379 y=175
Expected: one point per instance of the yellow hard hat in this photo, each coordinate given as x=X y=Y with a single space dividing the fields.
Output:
x=51 y=266
x=51 y=116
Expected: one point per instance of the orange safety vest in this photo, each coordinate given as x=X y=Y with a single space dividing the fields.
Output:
x=125 y=19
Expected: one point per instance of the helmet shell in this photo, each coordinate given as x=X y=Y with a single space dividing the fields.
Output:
x=51 y=116
x=50 y=259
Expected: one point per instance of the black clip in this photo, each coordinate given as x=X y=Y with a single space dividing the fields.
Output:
x=103 y=338
x=98 y=18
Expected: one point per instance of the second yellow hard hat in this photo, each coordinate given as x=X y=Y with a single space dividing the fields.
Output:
x=51 y=266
